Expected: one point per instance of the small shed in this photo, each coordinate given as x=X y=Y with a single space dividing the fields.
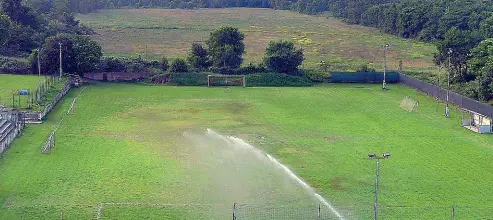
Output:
x=477 y=122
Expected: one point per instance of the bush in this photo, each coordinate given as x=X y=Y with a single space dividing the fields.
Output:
x=251 y=69
x=223 y=70
x=179 y=66
x=188 y=79
x=9 y=65
x=121 y=64
x=317 y=76
x=277 y=79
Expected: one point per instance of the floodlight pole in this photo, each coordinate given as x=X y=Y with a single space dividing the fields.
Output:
x=375 y=208
x=384 y=84
x=377 y=178
x=447 y=110
x=61 y=70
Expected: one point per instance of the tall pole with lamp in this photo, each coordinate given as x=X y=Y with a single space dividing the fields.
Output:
x=384 y=83
x=377 y=178
x=447 y=109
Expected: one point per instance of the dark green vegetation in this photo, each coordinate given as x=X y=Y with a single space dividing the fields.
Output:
x=80 y=55
x=124 y=143
x=24 y=26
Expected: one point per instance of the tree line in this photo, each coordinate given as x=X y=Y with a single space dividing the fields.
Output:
x=459 y=28
x=223 y=53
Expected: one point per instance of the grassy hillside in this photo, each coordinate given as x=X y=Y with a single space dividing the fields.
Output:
x=127 y=152
x=132 y=32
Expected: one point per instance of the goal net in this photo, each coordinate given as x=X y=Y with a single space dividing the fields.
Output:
x=409 y=104
x=226 y=80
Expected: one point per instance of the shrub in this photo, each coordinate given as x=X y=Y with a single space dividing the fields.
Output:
x=9 y=65
x=179 y=66
x=277 y=79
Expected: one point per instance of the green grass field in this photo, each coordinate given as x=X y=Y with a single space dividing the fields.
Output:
x=124 y=146
x=10 y=84
x=170 y=32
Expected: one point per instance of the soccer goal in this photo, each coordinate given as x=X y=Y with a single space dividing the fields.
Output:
x=226 y=80
x=409 y=104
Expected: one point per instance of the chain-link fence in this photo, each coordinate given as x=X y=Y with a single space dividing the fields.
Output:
x=441 y=94
x=240 y=212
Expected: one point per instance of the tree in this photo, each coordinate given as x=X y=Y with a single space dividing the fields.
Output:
x=198 y=57
x=283 y=57
x=87 y=53
x=80 y=54
x=460 y=42
x=164 y=64
x=226 y=47
x=179 y=66
x=481 y=65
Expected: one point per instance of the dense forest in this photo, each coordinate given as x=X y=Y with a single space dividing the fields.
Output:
x=461 y=29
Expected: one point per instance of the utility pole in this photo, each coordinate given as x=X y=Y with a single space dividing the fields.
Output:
x=447 y=109
x=384 y=84
x=61 y=70
x=377 y=178
x=39 y=69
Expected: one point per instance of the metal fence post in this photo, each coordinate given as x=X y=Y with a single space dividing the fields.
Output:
x=453 y=212
x=318 y=216
x=234 y=211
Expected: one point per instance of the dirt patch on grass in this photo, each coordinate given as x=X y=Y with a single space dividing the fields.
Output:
x=337 y=183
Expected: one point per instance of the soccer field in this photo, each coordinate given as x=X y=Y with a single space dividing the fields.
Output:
x=137 y=152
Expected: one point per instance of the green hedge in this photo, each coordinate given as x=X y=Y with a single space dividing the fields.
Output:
x=252 y=80
x=276 y=79
x=188 y=79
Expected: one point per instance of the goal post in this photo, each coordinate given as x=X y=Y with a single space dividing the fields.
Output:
x=409 y=104
x=226 y=80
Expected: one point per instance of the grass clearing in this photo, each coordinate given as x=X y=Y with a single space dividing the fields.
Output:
x=170 y=32
x=124 y=144
x=11 y=84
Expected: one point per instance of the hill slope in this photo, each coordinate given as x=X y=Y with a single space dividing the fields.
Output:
x=170 y=32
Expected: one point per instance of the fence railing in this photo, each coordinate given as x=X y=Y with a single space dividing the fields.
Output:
x=441 y=94
x=11 y=125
